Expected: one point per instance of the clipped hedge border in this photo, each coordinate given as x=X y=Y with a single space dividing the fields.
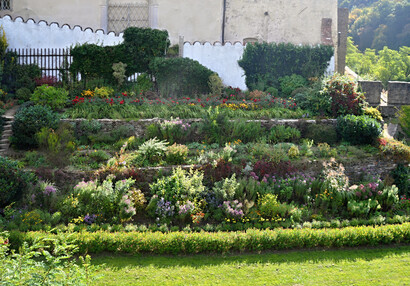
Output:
x=223 y=242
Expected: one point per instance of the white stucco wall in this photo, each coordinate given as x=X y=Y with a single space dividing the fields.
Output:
x=222 y=59
x=41 y=35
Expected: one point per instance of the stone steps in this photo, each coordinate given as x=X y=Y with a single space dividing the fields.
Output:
x=7 y=132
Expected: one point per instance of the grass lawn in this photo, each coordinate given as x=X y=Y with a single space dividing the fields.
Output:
x=376 y=266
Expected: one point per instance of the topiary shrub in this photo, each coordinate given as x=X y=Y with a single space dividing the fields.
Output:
x=23 y=94
x=14 y=182
x=51 y=96
x=180 y=76
x=401 y=176
x=28 y=121
x=358 y=129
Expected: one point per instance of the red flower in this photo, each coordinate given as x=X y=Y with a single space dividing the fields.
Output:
x=122 y=101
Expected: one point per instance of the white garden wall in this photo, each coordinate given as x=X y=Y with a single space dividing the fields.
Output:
x=30 y=34
x=222 y=59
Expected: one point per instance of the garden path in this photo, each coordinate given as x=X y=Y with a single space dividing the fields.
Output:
x=7 y=132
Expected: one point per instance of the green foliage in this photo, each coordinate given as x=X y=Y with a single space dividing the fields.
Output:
x=404 y=118
x=28 y=121
x=401 y=176
x=281 y=133
x=321 y=133
x=46 y=261
x=376 y=24
x=16 y=76
x=226 y=189
x=265 y=63
x=152 y=150
x=14 y=182
x=119 y=72
x=215 y=84
x=373 y=112
x=312 y=99
x=51 y=96
x=223 y=242
x=144 y=82
x=384 y=65
x=181 y=184
x=176 y=77
x=23 y=94
x=345 y=97
x=142 y=45
x=289 y=83
x=214 y=126
x=176 y=154
x=358 y=129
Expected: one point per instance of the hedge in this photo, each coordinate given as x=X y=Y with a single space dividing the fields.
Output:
x=223 y=242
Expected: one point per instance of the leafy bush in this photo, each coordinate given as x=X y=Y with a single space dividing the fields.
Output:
x=397 y=149
x=51 y=96
x=289 y=83
x=358 y=129
x=281 y=133
x=223 y=242
x=152 y=150
x=345 y=97
x=28 y=121
x=404 y=118
x=264 y=63
x=373 y=112
x=176 y=154
x=180 y=76
x=313 y=100
x=23 y=94
x=401 y=176
x=14 y=182
x=322 y=133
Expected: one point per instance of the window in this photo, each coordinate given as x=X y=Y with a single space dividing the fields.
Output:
x=5 y=4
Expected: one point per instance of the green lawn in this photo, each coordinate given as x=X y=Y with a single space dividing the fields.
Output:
x=378 y=266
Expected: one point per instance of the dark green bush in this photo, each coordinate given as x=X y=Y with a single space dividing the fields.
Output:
x=28 y=121
x=322 y=133
x=23 y=93
x=180 y=76
x=401 y=176
x=358 y=129
x=280 y=133
x=14 y=182
x=289 y=83
x=16 y=76
x=265 y=63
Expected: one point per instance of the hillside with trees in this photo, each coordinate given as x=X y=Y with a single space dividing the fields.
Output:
x=376 y=24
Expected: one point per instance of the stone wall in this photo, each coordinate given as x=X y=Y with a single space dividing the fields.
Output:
x=398 y=93
x=372 y=91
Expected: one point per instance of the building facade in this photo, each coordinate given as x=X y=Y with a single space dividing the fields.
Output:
x=295 y=21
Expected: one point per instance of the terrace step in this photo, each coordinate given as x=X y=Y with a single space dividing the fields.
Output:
x=7 y=127
x=4 y=141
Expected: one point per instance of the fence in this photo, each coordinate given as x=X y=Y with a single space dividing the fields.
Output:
x=52 y=62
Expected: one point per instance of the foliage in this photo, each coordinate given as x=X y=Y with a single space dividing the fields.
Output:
x=384 y=65
x=311 y=98
x=397 y=149
x=176 y=154
x=266 y=62
x=358 y=129
x=119 y=72
x=401 y=176
x=28 y=121
x=215 y=84
x=180 y=76
x=14 y=182
x=376 y=24
x=106 y=201
x=321 y=133
x=103 y=92
x=223 y=242
x=281 y=133
x=152 y=150
x=46 y=261
x=51 y=96
x=373 y=112
x=345 y=97
x=23 y=94
x=404 y=118
x=214 y=125
x=289 y=83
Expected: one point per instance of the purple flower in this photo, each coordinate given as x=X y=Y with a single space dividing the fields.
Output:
x=49 y=190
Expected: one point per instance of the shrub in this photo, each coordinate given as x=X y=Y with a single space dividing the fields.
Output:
x=397 y=149
x=215 y=84
x=152 y=150
x=51 y=96
x=28 y=121
x=313 y=100
x=48 y=80
x=322 y=133
x=180 y=76
x=281 y=133
x=401 y=176
x=404 y=118
x=264 y=63
x=176 y=154
x=23 y=94
x=289 y=83
x=103 y=92
x=14 y=182
x=345 y=97
x=358 y=129
x=373 y=112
